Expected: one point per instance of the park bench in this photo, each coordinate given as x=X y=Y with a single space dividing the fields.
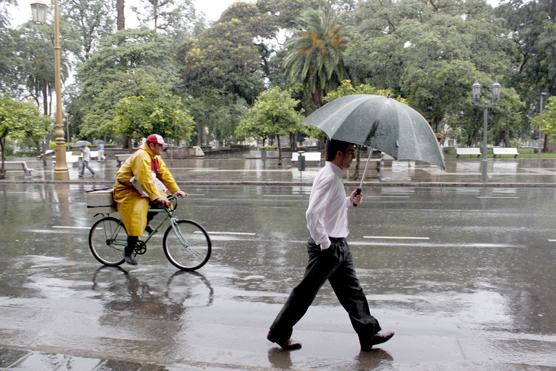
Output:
x=17 y=166
x=468 y=152
x=72 y=159
x=121 y=157
x=94 y=155
x=500 y=151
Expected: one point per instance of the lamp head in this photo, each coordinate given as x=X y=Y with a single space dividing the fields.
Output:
x=39 y=11
x=496 y=88
x=476 y=91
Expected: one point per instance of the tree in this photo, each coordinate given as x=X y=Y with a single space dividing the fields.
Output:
x=120 y=15
x=17 y=121
x=103 y=80
x=176 y=18
x=158 y=111
x=273 y=114
x=315 y=54
x=223 y=58
x=216 y=115
x=90 y=20
x=547 y=119
x=532 y=28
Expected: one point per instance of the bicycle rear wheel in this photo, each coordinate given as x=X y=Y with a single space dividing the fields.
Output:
x=187 y=245
x=107 y=240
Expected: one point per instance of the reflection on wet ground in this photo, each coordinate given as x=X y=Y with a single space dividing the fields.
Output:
x=465 y=276
x=239 y=169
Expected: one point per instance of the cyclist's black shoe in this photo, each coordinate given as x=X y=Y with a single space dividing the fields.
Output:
x=129 y=259
x=149 y=229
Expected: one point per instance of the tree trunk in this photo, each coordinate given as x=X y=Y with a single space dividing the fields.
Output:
x=2 y=169
x=44 y=99
x=545 y=144
x=279 y=151
x=316 y=96
x=120 y=17
x=355 y=175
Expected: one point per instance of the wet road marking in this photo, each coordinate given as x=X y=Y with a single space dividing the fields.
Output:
x=69 y=227
x=396 y=238
x=230 y=233
x=501 y=197
x=387 y=196
x=424 y=244
x=551 y=240
x=291 y=195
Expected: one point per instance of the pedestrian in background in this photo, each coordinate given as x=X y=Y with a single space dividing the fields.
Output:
x=85 y=158
x=100 y=149
x=329 y=256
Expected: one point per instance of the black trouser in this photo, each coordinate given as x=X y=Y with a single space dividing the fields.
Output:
x=335 y=265
x=132 y=240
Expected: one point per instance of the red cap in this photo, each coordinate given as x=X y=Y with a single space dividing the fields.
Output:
x=155 y=138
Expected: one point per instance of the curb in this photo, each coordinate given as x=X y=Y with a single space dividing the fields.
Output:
x=308 y=184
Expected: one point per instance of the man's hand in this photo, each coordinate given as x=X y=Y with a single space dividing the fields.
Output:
x=356 y=197
x=181 y=194
x=163 y=202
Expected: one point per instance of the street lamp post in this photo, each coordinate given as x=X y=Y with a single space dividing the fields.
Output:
x=39 y=15
x=541 y=108
x=495 y=96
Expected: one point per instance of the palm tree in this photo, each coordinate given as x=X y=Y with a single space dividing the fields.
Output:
x=314 y=54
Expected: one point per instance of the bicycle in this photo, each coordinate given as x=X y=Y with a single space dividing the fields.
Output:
x=186 y=243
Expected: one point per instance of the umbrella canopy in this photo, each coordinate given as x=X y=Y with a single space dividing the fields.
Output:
x=381 y=123
x=98 y=141
x=81 y=143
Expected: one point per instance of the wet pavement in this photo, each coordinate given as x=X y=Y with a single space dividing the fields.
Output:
x=464 y=275
x=237 y=170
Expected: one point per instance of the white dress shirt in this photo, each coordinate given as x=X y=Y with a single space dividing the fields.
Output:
x=86 y=154
x=327 y=212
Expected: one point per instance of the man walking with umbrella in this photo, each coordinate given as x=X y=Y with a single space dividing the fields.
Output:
x=85 y=158
x=329 y=256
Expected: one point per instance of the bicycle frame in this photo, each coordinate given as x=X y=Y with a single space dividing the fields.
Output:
x=169 y=216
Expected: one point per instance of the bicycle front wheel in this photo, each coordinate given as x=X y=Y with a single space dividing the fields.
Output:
x=107 y=240
x=187 y=245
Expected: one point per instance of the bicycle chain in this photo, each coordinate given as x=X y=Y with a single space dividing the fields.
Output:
x=140 y=248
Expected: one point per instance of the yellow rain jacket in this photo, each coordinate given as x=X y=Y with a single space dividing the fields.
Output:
x=132 y=206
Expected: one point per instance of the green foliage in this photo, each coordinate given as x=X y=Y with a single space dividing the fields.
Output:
x=19 y=120
x=547 y=119
x=223 y=58
x=130 y=63
x=347 y=88
x=315 y=54
x=217 y=115
x=157 y=111
x=175 y=18
x=273 y=114
x=89 y=21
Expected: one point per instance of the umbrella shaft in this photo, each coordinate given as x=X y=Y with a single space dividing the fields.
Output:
x=365 y=171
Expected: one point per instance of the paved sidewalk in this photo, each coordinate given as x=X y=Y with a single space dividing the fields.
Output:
x=237 y=171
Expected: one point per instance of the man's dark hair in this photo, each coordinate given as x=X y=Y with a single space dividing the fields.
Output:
x=333 y=146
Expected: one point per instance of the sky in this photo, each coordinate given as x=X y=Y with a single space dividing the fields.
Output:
x=211 y=8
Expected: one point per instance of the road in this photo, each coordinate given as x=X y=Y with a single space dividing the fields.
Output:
x=465 y=276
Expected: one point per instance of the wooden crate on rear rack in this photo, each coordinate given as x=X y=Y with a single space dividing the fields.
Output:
x=100 y=201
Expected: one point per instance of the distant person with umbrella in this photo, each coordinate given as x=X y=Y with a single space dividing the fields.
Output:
x=329 y=256
x=100 y=149
x=85 y=158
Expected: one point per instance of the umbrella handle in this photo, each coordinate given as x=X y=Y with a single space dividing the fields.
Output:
x=357 y=193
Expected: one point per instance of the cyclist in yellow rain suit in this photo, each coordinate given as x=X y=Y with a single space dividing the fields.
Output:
x=133 y=199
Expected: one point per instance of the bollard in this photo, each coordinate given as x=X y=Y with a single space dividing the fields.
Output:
x=301 y=162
